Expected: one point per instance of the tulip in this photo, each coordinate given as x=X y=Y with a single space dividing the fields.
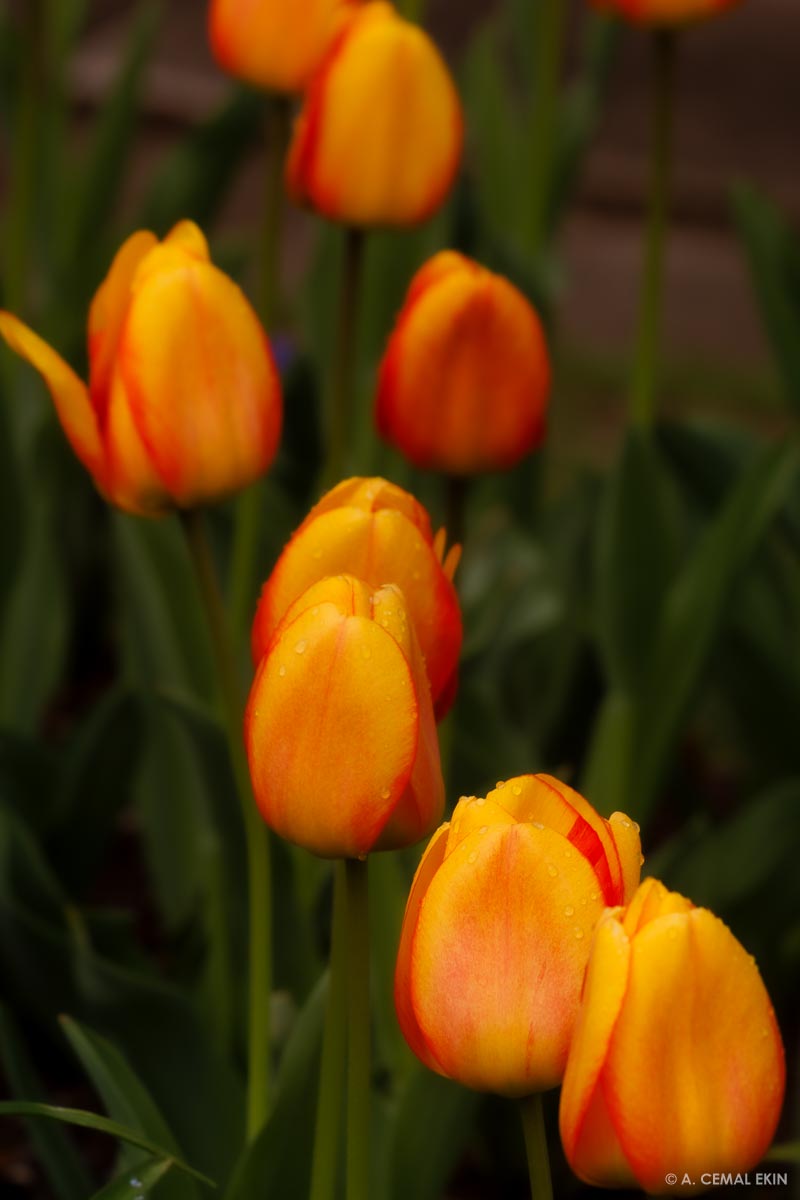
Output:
x=379 y=533
x=664 y=12
x=464 y=382
x=497 y=929
x=271 y=44
x=676 y=1063
x=339 y=729
x=183 y=403
x=379 y=138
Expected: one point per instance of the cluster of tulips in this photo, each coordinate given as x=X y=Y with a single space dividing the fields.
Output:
x=530 y=955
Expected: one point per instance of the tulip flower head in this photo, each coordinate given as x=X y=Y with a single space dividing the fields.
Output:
x=664 y=12
x=379 y=139
x=676 y=1064
x=378 y=532
x=464 y=382
x=183 y=404
x=340 y=731
x=497 y=929
x=274 y=44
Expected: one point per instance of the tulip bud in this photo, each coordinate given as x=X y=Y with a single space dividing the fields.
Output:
x=373 y=530
x=340 y=732
x=269 y=43
x=379 y=139
x=664 y=12
x=464 y=381
x=676 y=1066
x=497 y=929
x=183 y=404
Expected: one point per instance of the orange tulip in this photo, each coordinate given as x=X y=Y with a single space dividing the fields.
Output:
x=183 y=403
x=274 y=44
x=379 y=139
x=464 y=381
x=340 y=732
x=373 y=530
x=497 y=930
x=664 y=12
x=676 y=1064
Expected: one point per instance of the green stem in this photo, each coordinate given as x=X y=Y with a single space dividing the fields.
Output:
x=251 y=504
x=258 y=860
x=341 y=396
x=643 y=384
x=536 y=1147
x=548 y=56
x=358 y=1031
x=334 y=1052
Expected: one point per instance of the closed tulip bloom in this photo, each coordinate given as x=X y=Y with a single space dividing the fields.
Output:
x=664 y=12
x=274 y=44
x=379 y=139
x=183 y=403
x=340 y=731
x=464 y=382
x=379 y=533
x=497 y=929
x=677 y=1063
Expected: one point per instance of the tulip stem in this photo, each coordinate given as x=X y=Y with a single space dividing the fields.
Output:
x=643 y=384
x=536 y=1147
x=252 y=502
x=341 y=406
x=358 y=1031
x=258 y=859
x=548 y=54
x=334 y=1051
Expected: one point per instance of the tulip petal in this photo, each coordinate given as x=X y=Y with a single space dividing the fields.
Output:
x=380 y=547
x=629 y=850
x=199 y=376
x=331 y=682
x=429 y=865
x=695 y=1071
x=132 y=482
x=589 y=1141
x=474 y=813
x=70 y=394
x=371 y=494
x=499 y=956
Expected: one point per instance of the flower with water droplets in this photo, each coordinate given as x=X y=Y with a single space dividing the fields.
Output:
x=342 y=744
x=491 y=959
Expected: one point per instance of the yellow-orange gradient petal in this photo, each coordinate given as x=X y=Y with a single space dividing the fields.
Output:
x=70 y=394
x=628 y=842
x=199 y=376
x=331 y=732
x=378 y=547
x=695 y=1069
x=429 y=865
x=371 y=493
x=379 y=139
x=587 y=1135
x=499 y=957
x=132 y=482
x=107 y=315
x=474 y=813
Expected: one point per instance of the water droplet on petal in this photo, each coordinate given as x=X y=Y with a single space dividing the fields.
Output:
x=552 y=870
x=473 y=857
x=537 y=824
x=578 y=932
x=594 y=896
x=386 y=793
x=637 y=827
x=300 y=648
x=517 y=790
x=641 y=860
x=569 y=911
x=500 y=784
x=281 y=671
x=480 y=801
x=625 y=824
x=567 y=854
x=483 y=829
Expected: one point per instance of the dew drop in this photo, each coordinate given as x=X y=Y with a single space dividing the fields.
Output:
x=480 y=801
x=637 y=827
x=583 y=902
x=625 y=824
x=483 y=829
x=517 y=790
x=281 y=671
x=552 y=871
x=594 y=895
x=500 y=784
x=385 y=794
x=641 y=860
x=567 y=854
x=569 y=911
x=578 y=932
x=537 y=824
x=473 y=857
x=300 y=648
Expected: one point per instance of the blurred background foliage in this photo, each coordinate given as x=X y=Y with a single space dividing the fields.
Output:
x=632 y=603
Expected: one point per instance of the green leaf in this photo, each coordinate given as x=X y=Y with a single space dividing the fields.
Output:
x=432 y=1127
x=787 y=1152
x=635 y=558
x=55 y=1152
x=89 y=1120
x=278 y=1163
x=695 y=610
x=137 y=1181
x=773 y=250
x=125 y=1097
